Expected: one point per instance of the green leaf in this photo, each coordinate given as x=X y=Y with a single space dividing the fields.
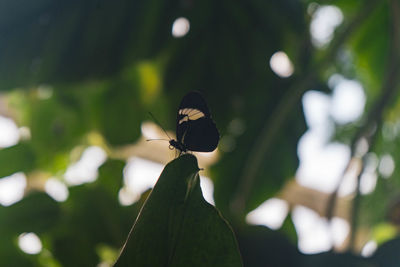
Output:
x=59 y=42
x=177 y=227
x=18 y=158
x=110 y=176
x=91 y=216
x=121 y=114
x=37 y=212
x=55 y=124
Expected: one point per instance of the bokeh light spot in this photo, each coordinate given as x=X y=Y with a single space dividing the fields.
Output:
x=12 y=188
x=271 y=213
x=44 y=92
x=56 y=189
x=369 y=248
x=85 y=170
x=281 y=64
x=386 y=166
x=29 y=243
x=324 y=21
x=150 y=81
x=139 y=176
x=180 y=27
x=348 y=101
x=9 y=134
x=340 y=229
x=312 y=230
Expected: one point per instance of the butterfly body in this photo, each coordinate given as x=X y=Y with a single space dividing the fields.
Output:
x=175 y=144
x=195 y=129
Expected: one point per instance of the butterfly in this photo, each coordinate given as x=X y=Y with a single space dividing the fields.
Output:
x=195 y=129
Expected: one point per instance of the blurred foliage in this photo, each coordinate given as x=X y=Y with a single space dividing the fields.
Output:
x=83 y=73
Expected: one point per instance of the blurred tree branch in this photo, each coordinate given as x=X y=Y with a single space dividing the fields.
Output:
x=296 y=194
x=375 y=116
x=281 y=113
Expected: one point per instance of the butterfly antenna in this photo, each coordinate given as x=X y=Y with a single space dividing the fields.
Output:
x=157 y=139
x=159 y=124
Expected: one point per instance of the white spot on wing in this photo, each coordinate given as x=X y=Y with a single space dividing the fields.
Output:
x=190 y=114
x=186 y=118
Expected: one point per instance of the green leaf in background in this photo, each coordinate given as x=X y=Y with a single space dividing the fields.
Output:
x=18 y=158
x=37 y=213
x=122 y=114
x=107 y=176
x=75 y=74
x=177 y=227
x=76 y=40
x=92 y=216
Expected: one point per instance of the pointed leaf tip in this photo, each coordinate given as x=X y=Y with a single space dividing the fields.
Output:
x=177 y=227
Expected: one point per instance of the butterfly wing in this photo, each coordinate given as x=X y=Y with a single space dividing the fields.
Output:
x=201 y=135
x=194 y=100
x=195 y=128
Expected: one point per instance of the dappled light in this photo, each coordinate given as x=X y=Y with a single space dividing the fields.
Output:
x=141 y=175
x=312 y=231
x=281 y=64
x=9 y=134
x=368 y=182
x=340 y=230
x=348 y=184
x=126 y=197
x=369 y=178
x=44 y=92
x=324 y=21
x=271 y=213
x=321 y=165
x=386 y=166
x=348 y=100
x=151 y=131
x=316 y=234
x=12 y=188
x=391 y=130
x=150 y=81
x=369 y=248
x=180 y=27
x=85 y=170
x=249 y=133
x=316 y=106
x=24 y=133
x=361 y=148
x=56 y=189
x=30 y=243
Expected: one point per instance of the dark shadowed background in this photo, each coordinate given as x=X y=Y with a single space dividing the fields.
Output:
x=304 y=93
